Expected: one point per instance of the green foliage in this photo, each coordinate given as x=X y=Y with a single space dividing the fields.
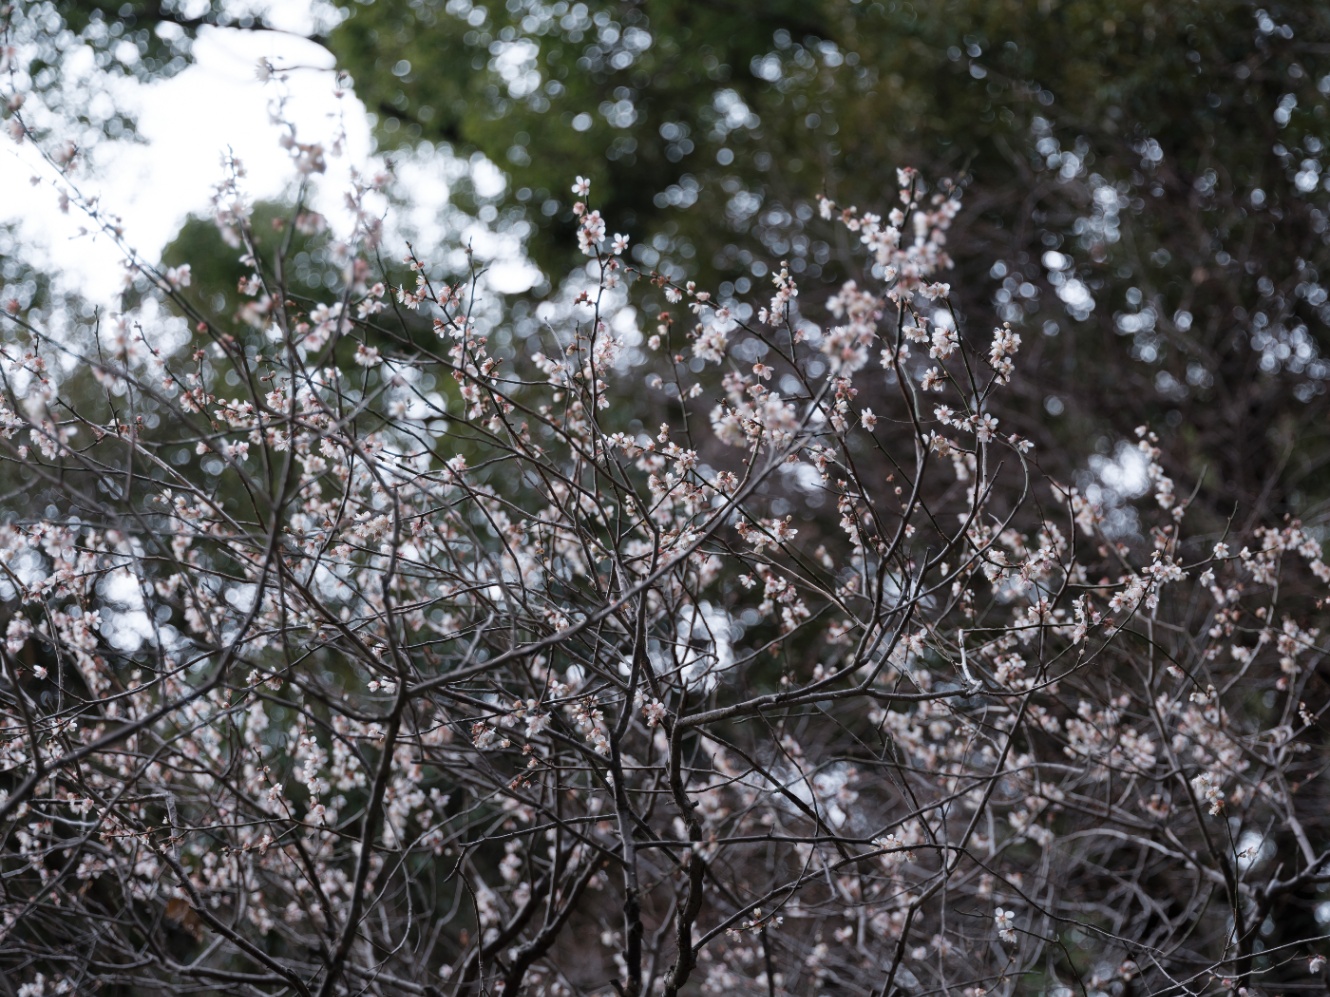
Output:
x=1166 y=154
x=1165 y=157
x=218 y=272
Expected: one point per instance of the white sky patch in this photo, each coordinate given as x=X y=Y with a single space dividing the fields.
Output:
x=125 y=625
x=1112 y=482
x=187 y=121
x=424 y=181
x=703 y=648
x=190 y=120
x=1077 y=297
x=828 y=791
x=1125 y=474
x=517 y=62
x=219 y=103
x=805 y=476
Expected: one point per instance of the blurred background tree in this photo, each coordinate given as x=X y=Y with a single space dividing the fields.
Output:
x=1144 y=181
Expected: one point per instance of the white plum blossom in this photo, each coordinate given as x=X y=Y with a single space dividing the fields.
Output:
x=346 y=642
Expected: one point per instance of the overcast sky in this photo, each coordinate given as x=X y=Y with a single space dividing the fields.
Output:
x=188 y=121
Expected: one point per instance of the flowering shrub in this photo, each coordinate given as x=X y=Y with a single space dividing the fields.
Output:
x=359 y=647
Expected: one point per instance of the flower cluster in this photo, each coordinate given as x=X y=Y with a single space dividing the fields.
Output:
x=358 y=645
